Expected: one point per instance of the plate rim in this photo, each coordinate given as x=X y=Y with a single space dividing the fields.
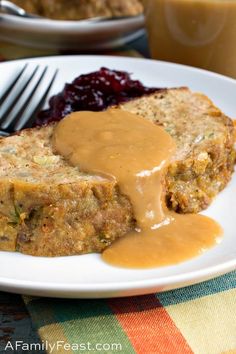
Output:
x=122 y=58
x=221 y=268
x=51 y=24
x=70 y=35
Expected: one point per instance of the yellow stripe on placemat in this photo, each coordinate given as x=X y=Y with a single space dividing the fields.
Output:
x=51 y=333
x=54 y=339
x=208 y=323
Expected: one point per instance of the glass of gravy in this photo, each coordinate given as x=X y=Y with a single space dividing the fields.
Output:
x=199 y=33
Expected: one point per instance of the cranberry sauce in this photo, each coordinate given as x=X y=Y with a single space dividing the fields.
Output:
x=93 y=92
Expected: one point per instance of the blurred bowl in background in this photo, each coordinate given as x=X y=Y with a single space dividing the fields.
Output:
x=56 y=34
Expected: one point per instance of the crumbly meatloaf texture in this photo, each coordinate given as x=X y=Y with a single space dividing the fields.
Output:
x=81 y=9
x=205 y=155
x=49 y=208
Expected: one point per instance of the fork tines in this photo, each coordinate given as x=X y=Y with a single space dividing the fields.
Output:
x=24 y=97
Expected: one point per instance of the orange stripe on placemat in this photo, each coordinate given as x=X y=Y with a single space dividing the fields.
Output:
x=148 y=326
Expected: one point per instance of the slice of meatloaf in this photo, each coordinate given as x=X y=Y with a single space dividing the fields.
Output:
x=205 y=156
x=49 y=208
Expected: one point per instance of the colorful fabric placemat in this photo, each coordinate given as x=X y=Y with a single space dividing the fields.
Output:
x=198 y=319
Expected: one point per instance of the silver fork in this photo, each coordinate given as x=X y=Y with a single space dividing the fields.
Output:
x=24 y=97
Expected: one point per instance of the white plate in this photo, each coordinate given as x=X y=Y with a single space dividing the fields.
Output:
x=87 y=276
x=46 y=33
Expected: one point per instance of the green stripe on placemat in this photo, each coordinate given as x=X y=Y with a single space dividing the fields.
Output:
x=80 y=320
x=219 y=284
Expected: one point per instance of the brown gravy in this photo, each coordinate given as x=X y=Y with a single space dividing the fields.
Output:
x=136 y=153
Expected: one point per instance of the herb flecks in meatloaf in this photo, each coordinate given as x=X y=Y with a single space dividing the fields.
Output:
x=205 y=156
x=49 y=208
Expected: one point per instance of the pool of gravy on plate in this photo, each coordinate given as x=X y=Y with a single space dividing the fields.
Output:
x=136 y=153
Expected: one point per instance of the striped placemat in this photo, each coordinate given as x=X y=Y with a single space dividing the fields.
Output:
x=197 y=319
